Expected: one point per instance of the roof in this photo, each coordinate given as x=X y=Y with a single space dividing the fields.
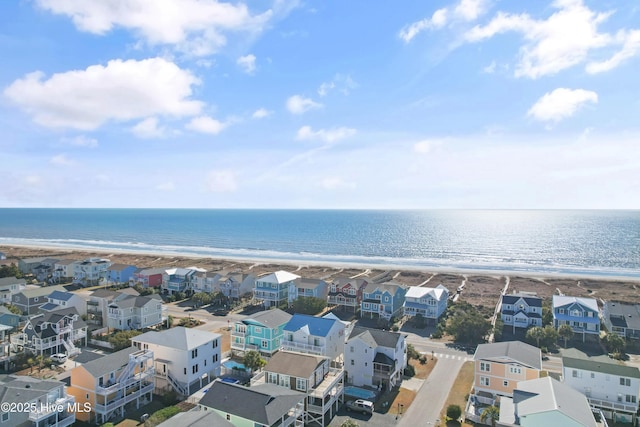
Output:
x=546 y=395
x=279 y=277
x=531 y=300
x=623 y=315
x=262 y=404
x=391 y=287
x=180 y=338
x=104 y=293
x=196 y=418
x=11 y=281
x=55 y=316
x=376 y=337
x=49 y=306
x=21 y=389
x=41 y=291
x=384 y=359
x=318 y=326
x=65 y=261
x=357 y=282
x=516 y=351
x=61 y=295
x=120 y=267
x=310 y=283
x=595 y=365
x=436 y=293
x=271 y=318
x=294 y=364
x=33 y=260
x=128 y=301
x=107 y=364
x=563 y=301
x=152 y=271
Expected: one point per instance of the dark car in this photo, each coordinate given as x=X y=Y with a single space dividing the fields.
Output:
x=220 y=312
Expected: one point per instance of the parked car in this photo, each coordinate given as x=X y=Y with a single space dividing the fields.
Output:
x=59 y=358
x=360 y=405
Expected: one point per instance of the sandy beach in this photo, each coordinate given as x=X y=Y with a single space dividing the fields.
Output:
x=481 y=288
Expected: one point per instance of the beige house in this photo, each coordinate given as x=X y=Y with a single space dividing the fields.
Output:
x=111 y=382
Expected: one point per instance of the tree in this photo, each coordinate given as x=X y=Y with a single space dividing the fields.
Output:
x=566 y=333
x=547 y=314
x=468 y=326
x=614 y=343
x=10 y=271
x=122 y=339
x=349 y=423
x=490 y=413
x=253 y=360
x=14 y=309
x=309 y=305
x=412 y=353
x=31 y=362
x=535 y=334
x=497 y=329
x=201 y=299
x=454 y=412
x=550 y=337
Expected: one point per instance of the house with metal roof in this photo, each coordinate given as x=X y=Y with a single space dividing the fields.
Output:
x=264 y=405
x=127 y=312
x=310 y=374
x=430 y=303
x=579 y=313
x=196 y=417
x=91 y=270
x=38 y=397
x=262 y=332
x=612 y=387
x=375 y=358
x=65 y=299
x=500 y=366
x=521 y=310
x=53 y=332
x=111 y=382
x=383 y=300
x=185 y=358
x=622 y=318
x=179 y=279
x=276 y=289
x=63 y=270
x=347 y=293
x=10 y=286
x=314 y=335
x=31 y=298
x=546 y=402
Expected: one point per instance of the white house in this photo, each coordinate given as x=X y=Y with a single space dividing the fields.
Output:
x=375 y=358
x=521 y=310
x=63 y=269
x=179 y=279
x=429 y=303
x=135 y=312
x=276 y=289
x=61 y=299
x=185 y=358
x=612 y=387
x=91 y=270
x=314 y=335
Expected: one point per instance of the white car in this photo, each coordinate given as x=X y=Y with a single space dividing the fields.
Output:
x=59 y=358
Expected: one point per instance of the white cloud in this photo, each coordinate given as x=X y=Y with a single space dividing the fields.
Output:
x=561 y=103
x=81 y=141
x=426 y=146
x=119 y=91
x=148 y=128
x=343 y=83
x=437 y=20
x=198 y=27
x=630 y=47
x=549 y=46
x=261 y=113
x=326 y=135
x=336 y=183
x=205 y=124
x=61 y=160
x=247 y=63
x=300 y=105
x=166 y=186
x=470 y=10
x=221 y=181
x=325 y=88
x=491 y=68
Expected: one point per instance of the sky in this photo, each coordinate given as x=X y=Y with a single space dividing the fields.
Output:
x=336 y=104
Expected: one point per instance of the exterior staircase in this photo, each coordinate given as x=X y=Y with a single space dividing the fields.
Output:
x=72 y=350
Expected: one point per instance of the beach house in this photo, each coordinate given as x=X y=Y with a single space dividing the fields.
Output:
x=276 y=289
x=10 y=286
x=120 y=273
x=314 y=335
x=65 y=299
x=91 y=270
x=264 y=405
x=179 y=279
x=63 y=270
x=311 y=375
x=498 y=367
x=9 y=318
x=521 y=310
x=375 y=358
x=347 y=293
x=43 y=271
x=579 y=313
x=127 y=312
x=5 y=346
x=46 y=403
x=26 y=265
x=147 y=277
x=97 y=306
x=612 y=387
x=31 y=298
x=109 y=383
x=185 y=358
x=383 y=300
x=262 y=332
x=205 y=281
x=235 y=285
x=53 y=332
x=622 y=319
x=429 y=303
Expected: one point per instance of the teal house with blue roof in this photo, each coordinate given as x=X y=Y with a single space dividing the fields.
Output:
x=315 y=335
x=262 y=332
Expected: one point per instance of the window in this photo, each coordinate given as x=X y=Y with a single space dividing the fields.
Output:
x=593 y=375
x=272 y=378
x=301 y=384
x=214 y=343
x=561 y=311
x=214 y=359
x=265 y=344
x=625 y=381
x=515 y=370
x=352 y=362
x=505 y=383
x=194 y=353
x=257 y=330
x=576 y=374
x=351 y=349
x=194 y=368
x=619 y=397
x=228 y=417
x=484 y=381
x=366 y=305
x=630 y=398
x=485 y=367
x=185 y=371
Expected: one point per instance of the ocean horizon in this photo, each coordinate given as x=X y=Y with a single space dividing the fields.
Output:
x=572 y=242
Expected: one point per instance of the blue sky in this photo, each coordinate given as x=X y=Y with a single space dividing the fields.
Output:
x=332 y=104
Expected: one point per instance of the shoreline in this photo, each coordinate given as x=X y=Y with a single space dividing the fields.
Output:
x=10 y=251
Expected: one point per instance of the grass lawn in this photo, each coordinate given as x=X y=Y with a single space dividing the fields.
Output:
x=459 y=391
x=423 y=371
x=405 y=398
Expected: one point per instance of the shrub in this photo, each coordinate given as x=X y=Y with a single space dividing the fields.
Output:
x=412 y=353
x=423 y=359
x=454 y=412
x=409 y=371
x=395 y=328
x=162 y=415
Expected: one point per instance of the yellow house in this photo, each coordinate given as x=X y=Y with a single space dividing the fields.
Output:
x=500 y=366
x=106 y=385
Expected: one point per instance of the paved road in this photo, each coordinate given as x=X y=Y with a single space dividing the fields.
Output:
x=425 y=410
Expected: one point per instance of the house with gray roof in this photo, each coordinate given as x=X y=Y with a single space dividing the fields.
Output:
x=31 y=298
x=26 y=265
x=262 y=332
x=64 y=299
x=263 y=405
x=53 y=332
x=111 y=382
x=383 y=300
x=185 y=358
x=126 y=312
x=8 y=318
x=347 y=293
x=375 y=358
x=545 y=402
x=10 y=286
x=611 y=386
x=622 y=319
x=196 y=417
x=39 y=396
x=521 y=310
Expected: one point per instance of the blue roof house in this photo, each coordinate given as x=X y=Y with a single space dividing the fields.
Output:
x=384 y=300
x=61 y=299
x=262 y=332
x=315 y=335
x=579 y=313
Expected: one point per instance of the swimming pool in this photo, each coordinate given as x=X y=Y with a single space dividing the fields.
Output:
x=230 y=364
x=359 y=393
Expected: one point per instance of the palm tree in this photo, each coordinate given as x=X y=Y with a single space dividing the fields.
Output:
x=490 y=413
x=31 y=361
x=536 y=333
x=565 y=332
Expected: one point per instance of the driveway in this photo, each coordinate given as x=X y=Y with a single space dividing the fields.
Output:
x=375 y=420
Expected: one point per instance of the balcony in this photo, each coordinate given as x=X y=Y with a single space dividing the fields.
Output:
x=45 y=410
x=303 y=348
x=132 y=395
x=346 y=301
x=613 y=406
x=332 y=385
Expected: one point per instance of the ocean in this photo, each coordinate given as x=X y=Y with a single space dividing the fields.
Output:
x=575 y=242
